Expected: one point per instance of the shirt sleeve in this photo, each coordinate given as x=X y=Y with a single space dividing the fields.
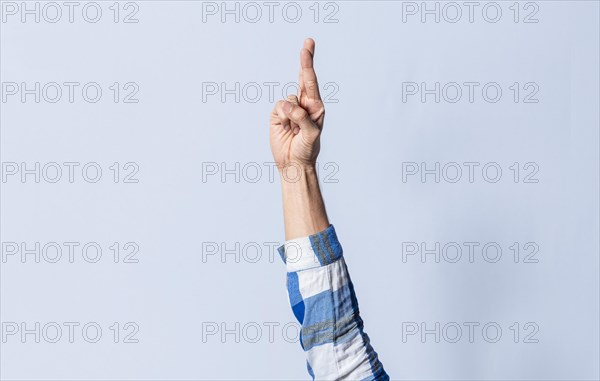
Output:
x=323 y=300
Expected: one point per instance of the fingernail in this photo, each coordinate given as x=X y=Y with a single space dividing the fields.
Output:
x=286 y=126
x=287 y=107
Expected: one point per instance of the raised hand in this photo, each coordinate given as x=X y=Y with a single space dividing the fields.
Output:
x=297 y=122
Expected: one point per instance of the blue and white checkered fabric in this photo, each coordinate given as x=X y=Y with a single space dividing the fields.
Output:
x=323 y=300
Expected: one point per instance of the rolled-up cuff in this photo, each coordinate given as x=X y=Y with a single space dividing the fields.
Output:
x=320 y=249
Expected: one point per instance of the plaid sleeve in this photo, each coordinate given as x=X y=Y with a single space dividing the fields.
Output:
x=323 y=300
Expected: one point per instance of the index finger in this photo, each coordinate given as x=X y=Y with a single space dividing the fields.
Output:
x=309 y=84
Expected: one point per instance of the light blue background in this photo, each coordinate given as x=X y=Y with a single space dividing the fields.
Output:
x=368 y=134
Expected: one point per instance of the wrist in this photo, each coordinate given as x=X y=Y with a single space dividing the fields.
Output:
x=297 y=172
x=304 y=210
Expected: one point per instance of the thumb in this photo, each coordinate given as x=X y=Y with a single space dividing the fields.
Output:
x=299 y=116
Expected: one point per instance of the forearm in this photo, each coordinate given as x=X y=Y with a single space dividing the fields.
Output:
x=303 y=206
x=319 y=286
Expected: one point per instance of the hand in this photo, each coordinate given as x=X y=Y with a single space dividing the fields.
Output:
x=297 y=122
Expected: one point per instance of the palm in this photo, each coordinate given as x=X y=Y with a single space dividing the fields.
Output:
x=290 y=147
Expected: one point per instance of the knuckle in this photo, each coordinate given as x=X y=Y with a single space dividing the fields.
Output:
x=298 y=113
x=279 y=109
